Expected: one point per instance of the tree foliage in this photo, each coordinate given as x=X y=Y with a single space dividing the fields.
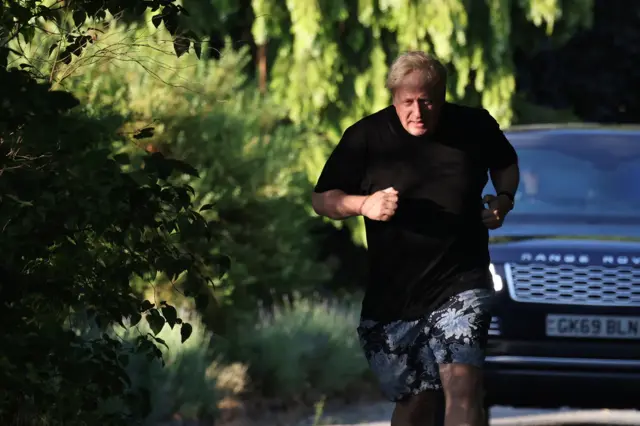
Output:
x=336 y=53
x=77 y=223
x=24 y=19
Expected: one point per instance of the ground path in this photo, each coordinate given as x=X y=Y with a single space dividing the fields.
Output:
x=378 y=414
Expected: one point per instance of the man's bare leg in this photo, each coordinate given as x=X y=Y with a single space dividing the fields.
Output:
x=464 y=395
x=423 y=409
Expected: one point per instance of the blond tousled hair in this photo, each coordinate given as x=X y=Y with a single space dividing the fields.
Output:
x=431 y=69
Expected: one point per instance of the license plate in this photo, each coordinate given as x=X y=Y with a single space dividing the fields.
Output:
x=593 y=326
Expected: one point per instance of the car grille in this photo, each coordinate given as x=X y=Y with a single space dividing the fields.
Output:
x=494 y=328
x=574 y=284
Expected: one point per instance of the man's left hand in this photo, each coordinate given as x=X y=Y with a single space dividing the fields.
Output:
x=498 y=208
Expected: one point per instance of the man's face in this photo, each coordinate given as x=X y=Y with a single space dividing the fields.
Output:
x=418 y=104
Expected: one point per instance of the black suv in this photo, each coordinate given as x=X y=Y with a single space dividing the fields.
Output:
x=566 y=268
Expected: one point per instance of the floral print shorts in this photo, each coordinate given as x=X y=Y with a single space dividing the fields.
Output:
x=404 y=355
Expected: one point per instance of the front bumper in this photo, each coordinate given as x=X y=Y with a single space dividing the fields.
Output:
x=551 y=382
x=527 y=368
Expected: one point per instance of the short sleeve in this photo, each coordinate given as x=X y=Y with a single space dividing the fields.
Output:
x=499 y=151
x=344 y=169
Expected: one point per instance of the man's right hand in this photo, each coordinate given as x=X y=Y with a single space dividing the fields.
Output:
x=380 y=205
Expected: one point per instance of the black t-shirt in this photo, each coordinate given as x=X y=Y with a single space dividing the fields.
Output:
x=436 y=245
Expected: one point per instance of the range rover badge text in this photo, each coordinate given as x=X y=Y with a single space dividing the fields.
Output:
x=571 y=258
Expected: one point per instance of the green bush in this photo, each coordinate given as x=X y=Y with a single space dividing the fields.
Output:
x=303 y=348
x=185 y=386
x=190 y=379
x=253 y=165
x=75 y=228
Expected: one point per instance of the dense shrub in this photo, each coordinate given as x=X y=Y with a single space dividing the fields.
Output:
x=190 y=379
x=184 y=386
x=253 y=165
x=74 y=229
x=302 y=349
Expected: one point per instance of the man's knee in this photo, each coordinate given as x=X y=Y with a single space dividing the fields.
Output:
x=462 y=385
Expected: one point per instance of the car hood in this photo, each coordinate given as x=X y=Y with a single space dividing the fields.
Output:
x=567 y=243
x=573 y=229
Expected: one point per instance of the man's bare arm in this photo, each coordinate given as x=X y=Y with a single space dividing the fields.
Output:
x=337 y=205
x=507 y=179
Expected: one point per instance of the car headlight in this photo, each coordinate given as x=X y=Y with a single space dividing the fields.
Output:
x=498 y=284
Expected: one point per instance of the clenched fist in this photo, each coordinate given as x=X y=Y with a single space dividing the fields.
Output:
x=499 y=206
x=380 y=205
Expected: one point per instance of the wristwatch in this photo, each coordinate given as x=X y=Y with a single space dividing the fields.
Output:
x=509 y=195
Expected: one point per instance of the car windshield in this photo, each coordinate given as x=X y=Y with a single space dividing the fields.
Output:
x=589 y=175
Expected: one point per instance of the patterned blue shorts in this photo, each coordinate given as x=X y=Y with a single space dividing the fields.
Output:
x=404 y=355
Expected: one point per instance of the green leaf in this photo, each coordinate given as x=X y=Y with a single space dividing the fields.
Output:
x=183 y=167
x=156 y=20
x=46 y=12
x=183 y=197
x=145 y=306
x=156 y=163
x=185 y=331
x=181 y=45
x=134 y=319
x=160 y=341
x=206 y=207
x=155 y=321
x=65 y=56
x=79 y=17
x=52 y=48
x=170 y=19
x=170 y=314
x=28 y=32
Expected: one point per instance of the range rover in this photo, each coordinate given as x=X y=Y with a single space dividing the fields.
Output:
x=566 y=270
